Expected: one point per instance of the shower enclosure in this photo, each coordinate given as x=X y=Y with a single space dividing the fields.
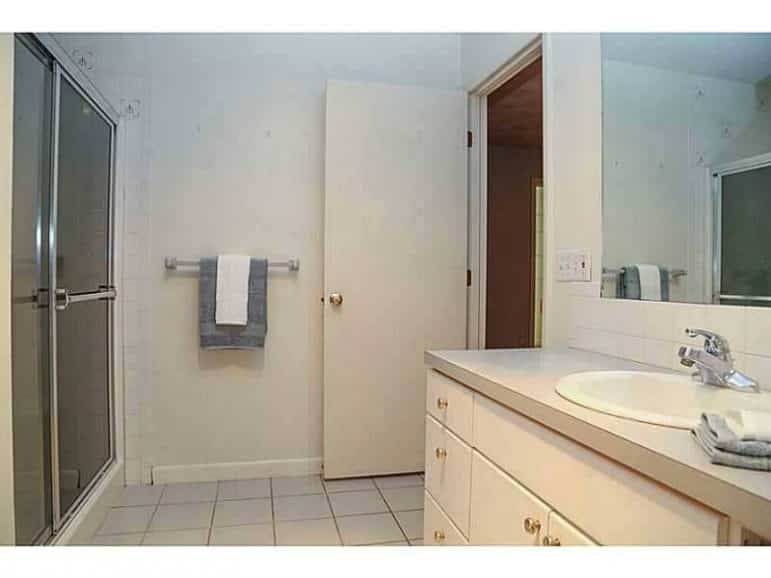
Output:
x=742 y=202
x=63 y=158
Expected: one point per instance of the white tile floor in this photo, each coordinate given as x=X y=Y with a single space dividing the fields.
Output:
x=299 y=511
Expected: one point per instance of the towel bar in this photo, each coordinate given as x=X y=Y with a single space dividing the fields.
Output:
x=172 y=263
x=674 y=273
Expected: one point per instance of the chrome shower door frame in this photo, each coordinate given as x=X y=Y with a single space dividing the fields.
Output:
x=63 y=70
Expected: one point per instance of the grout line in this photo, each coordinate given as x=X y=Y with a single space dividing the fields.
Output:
x=273 y=512
x=213 y=510
x=155 y=511
x=332 y=511
x=398 y=525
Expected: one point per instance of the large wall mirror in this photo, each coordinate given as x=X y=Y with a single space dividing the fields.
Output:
x=687 y=167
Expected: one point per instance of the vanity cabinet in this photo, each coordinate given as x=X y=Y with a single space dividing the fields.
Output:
x=495 y=476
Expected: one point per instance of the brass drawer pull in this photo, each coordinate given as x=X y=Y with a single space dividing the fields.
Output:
x=441 y=453
x=551 y=541
x=439 y=536
x=441 y=403
x=532 y=526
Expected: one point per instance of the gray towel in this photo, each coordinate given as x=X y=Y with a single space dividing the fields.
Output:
x=628 y=286
x=719 y=433
x=250 y=336
x=706 y=437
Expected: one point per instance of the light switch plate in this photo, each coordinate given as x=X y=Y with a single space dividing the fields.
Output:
x=574 y=265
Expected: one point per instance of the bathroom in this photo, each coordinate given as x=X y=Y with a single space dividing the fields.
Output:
x=463 y=266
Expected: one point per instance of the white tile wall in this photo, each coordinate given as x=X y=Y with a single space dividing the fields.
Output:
x=136 y=293
x=651 y=332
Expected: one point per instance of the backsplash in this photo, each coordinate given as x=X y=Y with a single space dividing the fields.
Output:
x=651 y=332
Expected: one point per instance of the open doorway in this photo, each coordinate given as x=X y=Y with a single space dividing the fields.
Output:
x=514 y=230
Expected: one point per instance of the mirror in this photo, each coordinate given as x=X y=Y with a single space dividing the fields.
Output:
x=687 y=167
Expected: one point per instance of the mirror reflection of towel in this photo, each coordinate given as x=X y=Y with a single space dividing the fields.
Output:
x=650 y=282
x=631 y=285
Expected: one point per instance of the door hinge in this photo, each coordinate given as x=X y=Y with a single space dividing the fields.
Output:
x=468 y=277
x=469 y=139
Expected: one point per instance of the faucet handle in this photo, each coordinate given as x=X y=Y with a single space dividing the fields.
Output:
x=714 y=343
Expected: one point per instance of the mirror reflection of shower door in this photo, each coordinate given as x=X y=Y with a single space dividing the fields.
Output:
x=742 y=262
x=31 y=191
x=81 y=318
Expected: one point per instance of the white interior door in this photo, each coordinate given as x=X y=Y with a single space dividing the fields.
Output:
x=395 y=251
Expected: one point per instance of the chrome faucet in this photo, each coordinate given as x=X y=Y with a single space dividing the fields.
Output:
x=714 y=363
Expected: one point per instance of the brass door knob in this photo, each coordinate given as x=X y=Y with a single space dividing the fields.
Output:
x=439 y=536
x=532 y=526
x=336 y=298
x=551 y=541
x=441 y=403
x=441 y=453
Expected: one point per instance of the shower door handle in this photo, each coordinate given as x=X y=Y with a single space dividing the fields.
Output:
x=63 y=298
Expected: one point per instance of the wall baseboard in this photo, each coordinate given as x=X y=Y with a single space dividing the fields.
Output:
x=235 y=470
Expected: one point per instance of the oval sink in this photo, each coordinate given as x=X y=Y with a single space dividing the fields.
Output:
x=658 y=398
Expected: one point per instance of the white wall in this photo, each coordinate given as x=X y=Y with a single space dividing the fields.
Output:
x=572 y=168
x=662 y=129
x=755 y=139
x=227 y=155
x=7 y=528
x=483 y=53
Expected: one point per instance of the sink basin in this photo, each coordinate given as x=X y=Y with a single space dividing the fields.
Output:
x=658 y=398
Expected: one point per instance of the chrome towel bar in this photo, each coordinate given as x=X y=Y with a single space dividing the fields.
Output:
x=172 y=263
x=673 y=273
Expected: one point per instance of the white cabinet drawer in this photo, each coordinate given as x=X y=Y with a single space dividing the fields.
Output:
x=438 y=530
x=560 y=532
x=448 y=472
x=500 y=506
x=610 y=502
x=451 y=403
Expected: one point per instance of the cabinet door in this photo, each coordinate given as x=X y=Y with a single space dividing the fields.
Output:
x=448 y=472
x=502 y=510
x=438 y=530
x=562 y=533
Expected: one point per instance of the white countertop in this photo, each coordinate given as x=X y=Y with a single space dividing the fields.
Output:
x=524 y=380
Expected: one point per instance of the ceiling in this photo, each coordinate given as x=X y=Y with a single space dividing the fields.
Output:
x=742 y=57
x=515 y=110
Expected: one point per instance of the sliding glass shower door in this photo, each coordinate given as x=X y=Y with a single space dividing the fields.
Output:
x=29 y=313
x=742 y=270
x=82 y=273
x=62 y=288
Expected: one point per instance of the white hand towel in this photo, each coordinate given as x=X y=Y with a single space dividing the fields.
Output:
x=232 y=290
x=650 y=282
x=750 y=425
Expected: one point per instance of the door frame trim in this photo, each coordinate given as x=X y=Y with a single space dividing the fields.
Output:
x=477 y=187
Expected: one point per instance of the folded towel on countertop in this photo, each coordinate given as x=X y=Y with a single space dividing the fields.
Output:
x=249 y=336
x=751 y=425
x=718 y=438
x=721 y=433
x=232 y=289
